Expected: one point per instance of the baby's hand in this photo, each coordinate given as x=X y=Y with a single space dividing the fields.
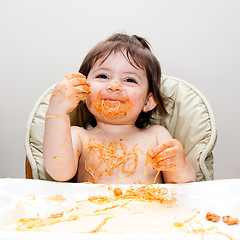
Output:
x=168 y=156
x=69 y=91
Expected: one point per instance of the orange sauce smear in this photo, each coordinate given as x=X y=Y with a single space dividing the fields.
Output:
x=25 y=224
x=142 y=193
x=191 y=225
x=112 y=109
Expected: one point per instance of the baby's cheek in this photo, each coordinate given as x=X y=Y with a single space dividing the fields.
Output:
x=88 y=102
x=93 y=98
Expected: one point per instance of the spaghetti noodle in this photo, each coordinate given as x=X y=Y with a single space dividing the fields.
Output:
x=109 y=158
x=142 y=193
x=149 y=161
x=191 y=225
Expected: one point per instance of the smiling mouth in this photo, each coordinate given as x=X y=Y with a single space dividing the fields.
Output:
x=112 y=100
x=109 y=103
x=112 y=108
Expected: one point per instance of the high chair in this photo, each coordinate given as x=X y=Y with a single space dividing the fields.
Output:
x=191 y=121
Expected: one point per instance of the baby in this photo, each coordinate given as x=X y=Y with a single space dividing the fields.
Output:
x=121 y=91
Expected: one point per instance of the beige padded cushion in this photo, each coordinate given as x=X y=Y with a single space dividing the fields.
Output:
x=191 y=121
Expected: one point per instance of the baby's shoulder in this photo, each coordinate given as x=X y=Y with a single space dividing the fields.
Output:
x=158 y=131
x=82 y=133
x=78 y=132
x=78 y=129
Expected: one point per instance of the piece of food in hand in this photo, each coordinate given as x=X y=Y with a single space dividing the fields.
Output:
x=230 y=220
x=212 y=217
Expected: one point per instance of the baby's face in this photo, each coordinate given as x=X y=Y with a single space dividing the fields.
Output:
x=119 y=91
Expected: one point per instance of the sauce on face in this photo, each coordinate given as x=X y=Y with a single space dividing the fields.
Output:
x=111 y=108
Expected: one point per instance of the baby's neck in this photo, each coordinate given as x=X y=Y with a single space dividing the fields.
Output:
x=116 y=130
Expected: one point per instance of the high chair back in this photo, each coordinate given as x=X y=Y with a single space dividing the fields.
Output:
x=191 y=121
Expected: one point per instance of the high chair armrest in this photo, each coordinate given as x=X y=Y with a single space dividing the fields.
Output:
x=28 y=170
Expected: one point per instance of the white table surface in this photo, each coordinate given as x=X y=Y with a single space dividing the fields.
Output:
x=219 y=196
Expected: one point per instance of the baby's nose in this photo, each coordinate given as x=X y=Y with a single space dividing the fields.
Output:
x=115 y=85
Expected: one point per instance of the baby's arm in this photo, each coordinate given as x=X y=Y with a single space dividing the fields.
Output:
x=61 y=146
x=169 y=157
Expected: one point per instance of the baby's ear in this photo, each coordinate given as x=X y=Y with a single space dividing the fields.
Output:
x=150 y=103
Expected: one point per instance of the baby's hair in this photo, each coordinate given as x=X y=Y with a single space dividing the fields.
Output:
x=137 y=52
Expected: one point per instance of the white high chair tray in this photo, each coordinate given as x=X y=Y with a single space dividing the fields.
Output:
x=182 y=220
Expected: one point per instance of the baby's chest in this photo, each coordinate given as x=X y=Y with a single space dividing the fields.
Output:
x=119 y=159
x=116 y=151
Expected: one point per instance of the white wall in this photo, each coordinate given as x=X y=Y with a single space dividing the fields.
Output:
x=42 y=40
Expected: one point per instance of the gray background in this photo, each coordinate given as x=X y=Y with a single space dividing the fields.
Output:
x=42 y=40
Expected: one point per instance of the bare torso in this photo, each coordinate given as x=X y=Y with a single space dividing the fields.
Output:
x=117 y=158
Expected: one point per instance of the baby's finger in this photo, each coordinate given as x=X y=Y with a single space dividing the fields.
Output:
x=165 y=154
x=82 y=89
x=77 y=97
x=156 y=150
x=74 y=75
x=168 y=161
x=161 y=147
x=168 y=167
x=79 y=81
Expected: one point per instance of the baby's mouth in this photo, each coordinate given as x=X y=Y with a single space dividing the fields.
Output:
x=112 y=108
x=113 y=100
x=110 y=103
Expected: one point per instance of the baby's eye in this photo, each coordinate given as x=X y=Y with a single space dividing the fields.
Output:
x=130 y=80
x=103 y=76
